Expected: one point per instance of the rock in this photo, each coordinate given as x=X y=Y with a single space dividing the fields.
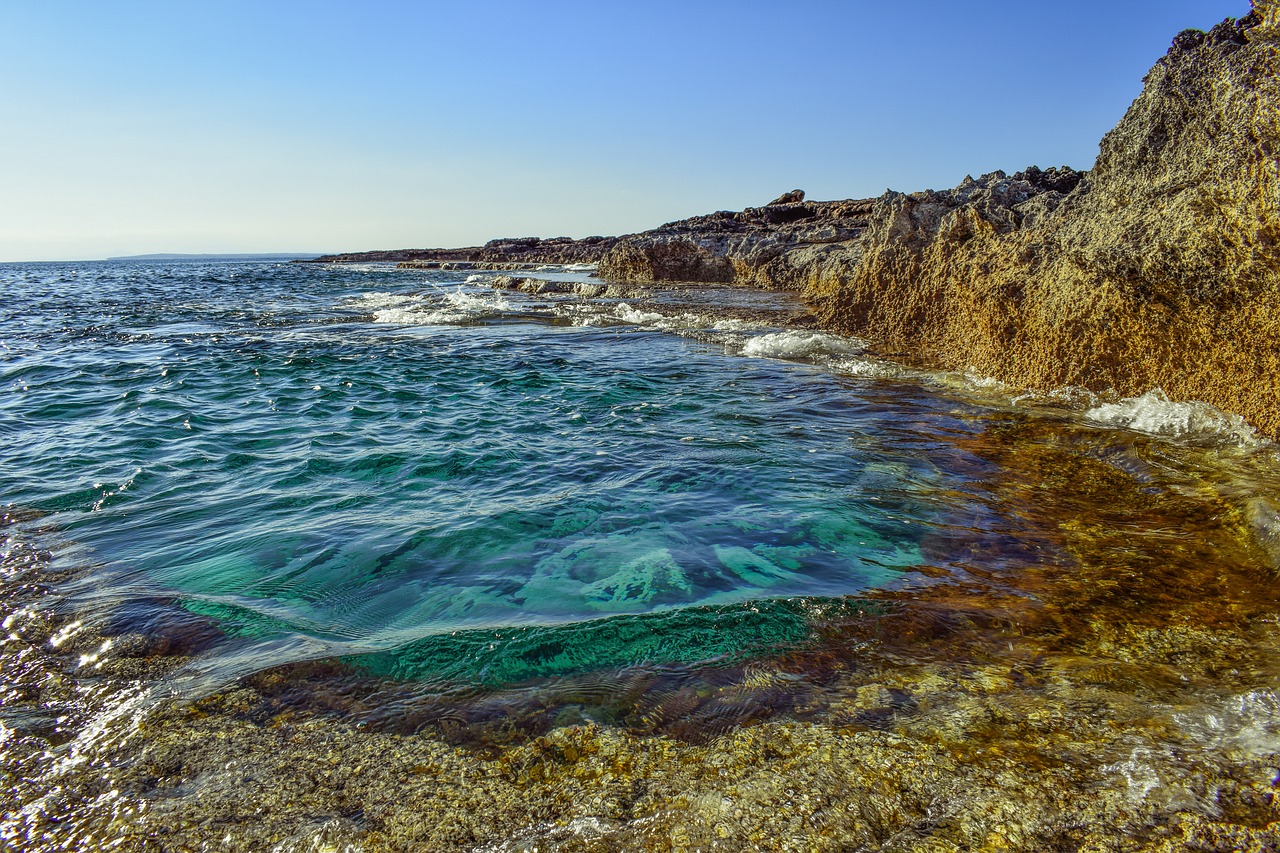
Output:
x=505 y=253
x=1159 y=268
x=793 y=197
x=756 y=246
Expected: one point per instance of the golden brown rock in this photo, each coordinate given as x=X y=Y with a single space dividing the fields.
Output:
x=1161 y=269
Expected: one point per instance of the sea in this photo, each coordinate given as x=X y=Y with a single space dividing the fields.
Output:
x=421 y=504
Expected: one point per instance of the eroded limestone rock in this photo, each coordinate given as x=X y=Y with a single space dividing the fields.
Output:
x=1159 y=268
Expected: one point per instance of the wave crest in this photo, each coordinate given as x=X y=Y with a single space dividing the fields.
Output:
x=801 y=344
x=1154 y=413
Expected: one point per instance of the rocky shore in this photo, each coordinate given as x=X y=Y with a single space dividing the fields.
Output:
x=503 y=253
x=1160 y=267
x=1083 y=677
x=1157 y=268
x=1095 y=670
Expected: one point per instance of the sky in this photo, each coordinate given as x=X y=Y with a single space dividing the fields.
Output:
x=130 y=127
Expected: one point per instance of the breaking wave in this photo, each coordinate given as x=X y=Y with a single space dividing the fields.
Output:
x=419 y=309
x=801 y=344
x=1155 y=414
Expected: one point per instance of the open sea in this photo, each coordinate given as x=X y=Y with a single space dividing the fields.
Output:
x=404 y=504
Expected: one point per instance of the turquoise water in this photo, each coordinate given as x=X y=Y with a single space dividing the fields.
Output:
x=434 y=477
x=292 y=554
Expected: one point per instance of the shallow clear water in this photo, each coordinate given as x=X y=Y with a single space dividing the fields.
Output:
x=335 y=460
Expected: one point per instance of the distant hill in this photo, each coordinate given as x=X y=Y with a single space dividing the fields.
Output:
x=244 y=257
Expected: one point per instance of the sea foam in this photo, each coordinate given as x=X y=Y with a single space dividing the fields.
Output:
x=800 y=344
x=1156 y=414
x=419 y=309
x=681 y=323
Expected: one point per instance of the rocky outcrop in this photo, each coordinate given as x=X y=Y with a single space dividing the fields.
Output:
x=772 y=246
x=553 y=250
x=1158 y=268
x=504 y=253
x=789 y=198
x=801 y=245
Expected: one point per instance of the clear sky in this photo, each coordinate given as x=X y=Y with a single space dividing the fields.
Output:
x=130 y=127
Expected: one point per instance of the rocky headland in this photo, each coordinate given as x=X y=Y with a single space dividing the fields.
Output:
x=503 y=253
x=1160 y=267
x=1157 y=268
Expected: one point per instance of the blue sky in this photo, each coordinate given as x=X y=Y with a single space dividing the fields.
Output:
x=323 y=126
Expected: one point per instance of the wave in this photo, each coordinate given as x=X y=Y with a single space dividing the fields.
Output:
x=1155 y=414
x=419 y=309
x=684 y=322
x=801 y=344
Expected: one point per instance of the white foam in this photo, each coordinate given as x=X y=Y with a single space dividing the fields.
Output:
x=375 y=300
x=627 y=314
x=1070 y=396
x=730 y=325
x=800 y=344
x=982 y=382
x=429 y=310
x=683 y=323
x=869 y=368
x=1154 y=413
x=367 y=266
